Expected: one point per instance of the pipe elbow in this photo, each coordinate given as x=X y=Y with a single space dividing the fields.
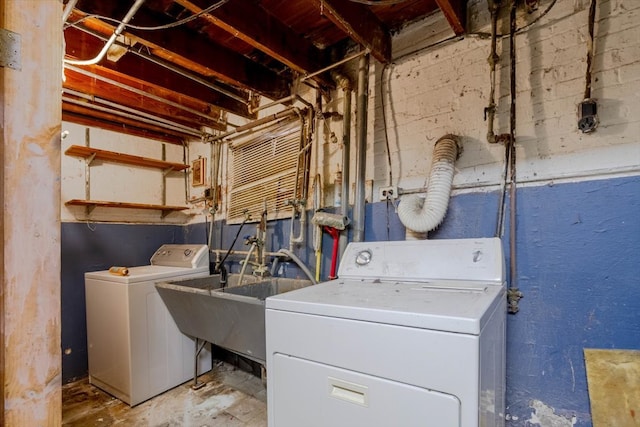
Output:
x=343 y=82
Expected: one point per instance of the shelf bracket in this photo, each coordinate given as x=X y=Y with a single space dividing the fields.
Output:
x=89 y=209
x=167 y=171
x=165 y=212
x=90 y=159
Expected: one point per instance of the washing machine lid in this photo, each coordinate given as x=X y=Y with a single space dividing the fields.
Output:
x=449 y=306
x=146 y=273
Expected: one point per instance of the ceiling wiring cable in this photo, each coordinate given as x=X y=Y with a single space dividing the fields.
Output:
x=159 y=27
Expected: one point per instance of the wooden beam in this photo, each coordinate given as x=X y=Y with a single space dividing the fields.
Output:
x=81 y=45
x=456 y=12
x=250 y=23
x=76 y=81
x=362 y=25
x=192 y=51
x=30 y=219
x=87 y=117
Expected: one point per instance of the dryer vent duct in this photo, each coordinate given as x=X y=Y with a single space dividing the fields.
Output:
x=420 y=214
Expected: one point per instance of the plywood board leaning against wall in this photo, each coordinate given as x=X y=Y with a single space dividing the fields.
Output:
x=614 y=387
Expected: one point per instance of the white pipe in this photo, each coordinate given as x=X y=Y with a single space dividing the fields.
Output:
x=138 y=92
x=298 y=209
x=112 y=39
x=180 y=129
x=422 y=214
x=137 y=113
x=342 y=61
x=68 y=9
x=246 y=261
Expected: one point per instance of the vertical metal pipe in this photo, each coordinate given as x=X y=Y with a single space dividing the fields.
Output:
x=362 y=98
x=346 y=147
x=490 y=111
x=514 y=293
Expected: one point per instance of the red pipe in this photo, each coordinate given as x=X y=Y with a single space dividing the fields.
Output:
x=335 y=233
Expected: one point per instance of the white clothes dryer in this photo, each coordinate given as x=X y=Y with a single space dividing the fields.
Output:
x=412 y=333
x=135 y=348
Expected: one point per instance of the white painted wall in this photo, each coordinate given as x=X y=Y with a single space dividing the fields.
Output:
x=446 y=88
x=111 y=181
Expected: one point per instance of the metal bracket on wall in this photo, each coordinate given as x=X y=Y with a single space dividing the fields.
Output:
x=10 y=49
x=513 y=297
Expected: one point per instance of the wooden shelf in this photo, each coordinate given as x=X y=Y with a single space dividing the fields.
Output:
x=112 y=156
x=92 y=204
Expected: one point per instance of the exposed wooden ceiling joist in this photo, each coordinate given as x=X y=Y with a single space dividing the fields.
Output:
x=84 y=45
x=360 y=24
x=455 y=12
x=88 y=117
x=221 y=61
x=247 y=21
x=187 y=49
x=95 y=87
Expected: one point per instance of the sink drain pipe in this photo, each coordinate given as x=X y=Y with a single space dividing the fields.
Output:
x=422 y=214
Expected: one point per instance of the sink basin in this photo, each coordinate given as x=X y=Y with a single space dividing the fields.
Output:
x=204 y=285
x=230 y=317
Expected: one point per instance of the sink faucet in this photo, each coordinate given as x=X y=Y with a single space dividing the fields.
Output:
x=257 y=243
x=219 y=267
x=257 y=249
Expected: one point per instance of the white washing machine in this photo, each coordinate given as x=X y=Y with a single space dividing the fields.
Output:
x=411 y=334
x=135 y=348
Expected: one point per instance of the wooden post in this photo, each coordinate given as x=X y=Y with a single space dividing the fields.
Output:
x=30 y=110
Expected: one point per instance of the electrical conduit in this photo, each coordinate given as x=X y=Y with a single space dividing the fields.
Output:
x=420 y=215
x=113 y=37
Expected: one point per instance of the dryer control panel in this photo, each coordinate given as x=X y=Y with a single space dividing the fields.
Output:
x=185 y=256
x=418 y=260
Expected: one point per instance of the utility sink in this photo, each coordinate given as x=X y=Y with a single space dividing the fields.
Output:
x=231 y=317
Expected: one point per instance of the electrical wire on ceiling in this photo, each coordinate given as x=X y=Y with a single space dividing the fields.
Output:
x=159 y=27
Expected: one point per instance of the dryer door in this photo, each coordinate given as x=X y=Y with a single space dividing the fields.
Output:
x=312 y=394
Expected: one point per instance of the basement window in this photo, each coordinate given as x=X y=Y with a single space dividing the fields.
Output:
x=264 y=170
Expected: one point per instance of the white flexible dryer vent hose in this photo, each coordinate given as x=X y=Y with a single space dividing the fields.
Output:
x=421 y=214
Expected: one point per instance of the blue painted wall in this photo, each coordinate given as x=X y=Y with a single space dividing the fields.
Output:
x=577 y=264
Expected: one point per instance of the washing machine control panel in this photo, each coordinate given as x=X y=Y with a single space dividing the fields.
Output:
x=186 y=256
